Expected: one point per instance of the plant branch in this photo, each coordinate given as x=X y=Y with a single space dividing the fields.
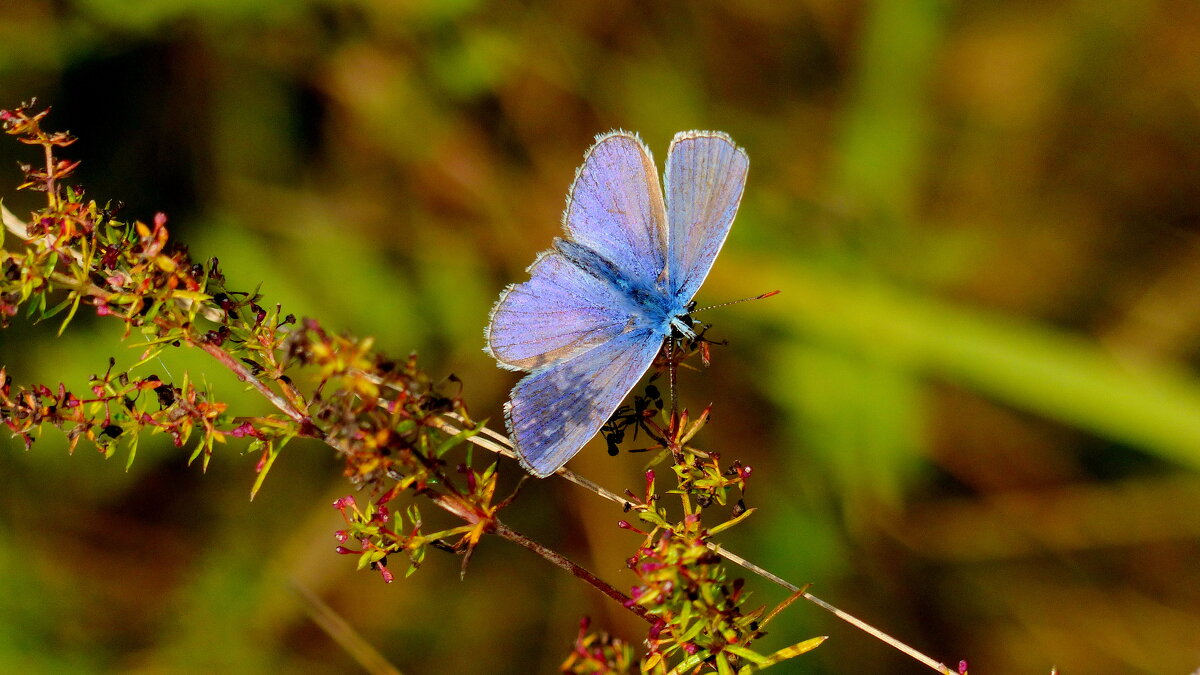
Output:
x=243 y=373
x=498 y=443
x=562 y=561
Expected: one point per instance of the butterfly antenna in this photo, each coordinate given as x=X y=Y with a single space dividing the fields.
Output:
x=734 y=302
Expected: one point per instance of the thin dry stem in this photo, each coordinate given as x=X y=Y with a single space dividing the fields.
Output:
x=498 y=443
x=562 y=561
x=51 y=182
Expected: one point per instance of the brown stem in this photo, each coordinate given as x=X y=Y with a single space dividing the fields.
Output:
x=554 y=557
x=565 y=563
x=51 y=183
x=498 y=443
x=243 y=373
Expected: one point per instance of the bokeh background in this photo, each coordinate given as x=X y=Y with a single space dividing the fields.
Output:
x=974 y=411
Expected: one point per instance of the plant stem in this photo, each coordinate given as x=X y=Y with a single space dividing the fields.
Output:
x=243 y=373
x=496 y=442
x=562 y=561
x=51 y=183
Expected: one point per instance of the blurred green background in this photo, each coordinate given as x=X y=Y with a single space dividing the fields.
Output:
x=973 y=412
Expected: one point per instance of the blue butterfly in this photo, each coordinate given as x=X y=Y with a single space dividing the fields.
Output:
x=601 y=301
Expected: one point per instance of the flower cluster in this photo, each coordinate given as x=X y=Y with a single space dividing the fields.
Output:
x=684 y=583
x=699 y=620
x=378 y=413
x=598 y=653
x=118 y=407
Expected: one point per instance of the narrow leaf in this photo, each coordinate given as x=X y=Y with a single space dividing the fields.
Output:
x=793 y=651
x=70 y=314
x=731 y=522
x=272 y=453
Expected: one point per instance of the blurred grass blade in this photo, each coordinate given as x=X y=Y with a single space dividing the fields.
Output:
x=1153 y=406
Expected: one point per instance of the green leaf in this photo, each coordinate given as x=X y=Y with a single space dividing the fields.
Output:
x=723 y=665
x=151 y=354
x=731 y=522
x=133 y=448
x=49 y=313
x=195 y=296
x=412 y=567
x=207 y=442
x=690 y=662
x=793 y=651
x=691 y=633
x=272 y=452
x=36 y=307
x=653 y=518
x=71 y=314
x=448 y=444
x=746 y=653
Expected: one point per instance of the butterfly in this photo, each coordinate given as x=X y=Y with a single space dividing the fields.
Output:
x=600 y=302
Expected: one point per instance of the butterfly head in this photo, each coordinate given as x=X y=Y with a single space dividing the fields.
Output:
x=683 y=326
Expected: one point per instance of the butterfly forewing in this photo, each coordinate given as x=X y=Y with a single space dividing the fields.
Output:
x=555 y=410
x=615 y=208
x=704 y=179
x=561 y=311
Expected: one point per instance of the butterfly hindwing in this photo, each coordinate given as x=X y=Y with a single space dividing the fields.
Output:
x=705 y=176
x=554 y=410
x=562 y=310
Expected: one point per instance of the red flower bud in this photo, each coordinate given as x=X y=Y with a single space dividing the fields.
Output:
x=387 y=575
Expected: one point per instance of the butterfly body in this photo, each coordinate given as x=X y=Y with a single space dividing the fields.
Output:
x=602 y=300
x=651 y=308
